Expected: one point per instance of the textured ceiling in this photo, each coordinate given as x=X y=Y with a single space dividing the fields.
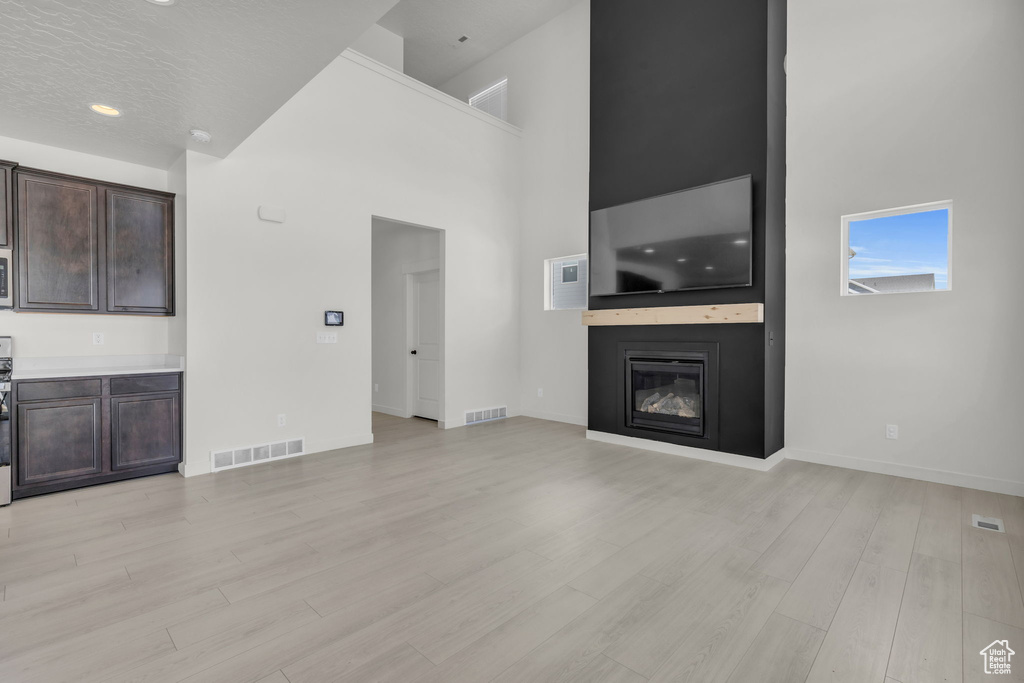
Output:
x=220 y=65
x=431 y=29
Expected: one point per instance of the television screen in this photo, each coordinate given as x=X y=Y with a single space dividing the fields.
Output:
x=699 y=238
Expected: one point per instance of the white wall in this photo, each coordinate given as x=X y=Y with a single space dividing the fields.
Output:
x=69 y=334
x=397 y=250
x=382 y=45
x=354 y=143
x=892 y=104
x=548 y=74
x=177 y=182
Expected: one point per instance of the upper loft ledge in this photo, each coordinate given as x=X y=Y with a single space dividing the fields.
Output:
x=677 y=315
x=424 y=89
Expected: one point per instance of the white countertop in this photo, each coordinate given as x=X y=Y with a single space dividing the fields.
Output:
x=88 y=366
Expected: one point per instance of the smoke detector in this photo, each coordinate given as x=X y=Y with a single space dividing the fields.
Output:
x=200 y=135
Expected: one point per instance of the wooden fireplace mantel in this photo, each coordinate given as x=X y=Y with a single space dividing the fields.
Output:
x=677 y=315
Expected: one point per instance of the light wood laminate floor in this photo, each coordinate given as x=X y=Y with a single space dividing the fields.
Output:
x=509 y=551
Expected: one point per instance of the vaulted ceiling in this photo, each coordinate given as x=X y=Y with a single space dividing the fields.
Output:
x=223 y=66
x=432 y=28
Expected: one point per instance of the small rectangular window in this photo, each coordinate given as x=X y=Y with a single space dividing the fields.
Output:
x=565 y=283
x=493 y=100
x=898 y=250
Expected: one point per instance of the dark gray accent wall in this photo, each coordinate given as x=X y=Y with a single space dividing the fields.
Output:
x=685 y=93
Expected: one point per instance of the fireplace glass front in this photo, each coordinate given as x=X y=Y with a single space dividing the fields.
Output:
x=666 y=394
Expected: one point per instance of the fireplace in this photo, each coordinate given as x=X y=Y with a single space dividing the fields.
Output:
x=671 y=389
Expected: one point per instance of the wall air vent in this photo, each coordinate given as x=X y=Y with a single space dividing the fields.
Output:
x=486 y=414
x=231 y=458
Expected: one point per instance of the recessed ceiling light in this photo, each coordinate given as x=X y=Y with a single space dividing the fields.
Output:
x=739 y=241
x=104 y=110
x=648 y=251
x=709 y=267
x=200 y=135
x=681 y=260
x=161 y=2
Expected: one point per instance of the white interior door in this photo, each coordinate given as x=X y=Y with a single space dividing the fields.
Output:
x=425 y=344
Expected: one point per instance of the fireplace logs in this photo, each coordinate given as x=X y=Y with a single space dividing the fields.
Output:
x=669 y=405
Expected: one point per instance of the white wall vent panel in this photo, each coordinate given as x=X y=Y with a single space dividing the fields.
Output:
x=249 y=455
x=486 y=414
x=990 y=523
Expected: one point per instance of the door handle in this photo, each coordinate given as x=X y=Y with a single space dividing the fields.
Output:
x=413 y=352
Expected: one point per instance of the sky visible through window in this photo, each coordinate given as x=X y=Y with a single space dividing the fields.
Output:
x=908 y=244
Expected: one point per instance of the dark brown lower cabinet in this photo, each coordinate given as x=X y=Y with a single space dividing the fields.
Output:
x=59 y=440
x=145 y=430
x=75 y=432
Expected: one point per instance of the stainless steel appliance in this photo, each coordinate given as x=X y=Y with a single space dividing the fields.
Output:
x=6 y=291
x=6 y=366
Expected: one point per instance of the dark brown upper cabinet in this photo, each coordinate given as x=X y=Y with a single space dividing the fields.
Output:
x=6 y=204
x=92 y=247
x=58 y=244
x=140 y=253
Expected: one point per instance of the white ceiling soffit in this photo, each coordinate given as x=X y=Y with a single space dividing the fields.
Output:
x=223 y=66
x=432 y=28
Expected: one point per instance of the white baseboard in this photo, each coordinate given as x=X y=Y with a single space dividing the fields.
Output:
x=340 y=442
x=188 y=469
x=970 y=481
x=759 y=464
x=387 y=410
x=195 y=469
x=556 y=417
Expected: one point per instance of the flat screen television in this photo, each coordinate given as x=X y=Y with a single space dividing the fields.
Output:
x=698 y=238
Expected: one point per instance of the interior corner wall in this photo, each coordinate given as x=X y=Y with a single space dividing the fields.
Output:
x=382 y=45
x=177 y=182
x=396 y=249
x=548 y=74
x=894 y=104
x=70 y=334
x=352 y=144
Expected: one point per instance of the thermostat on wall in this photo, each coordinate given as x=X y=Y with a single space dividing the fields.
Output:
x=334 y=318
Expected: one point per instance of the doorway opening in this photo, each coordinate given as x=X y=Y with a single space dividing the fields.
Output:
x=407 y=308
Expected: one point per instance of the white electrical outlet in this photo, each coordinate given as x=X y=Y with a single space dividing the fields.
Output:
x=892 y=431
x=97 y=338
x=282 y=420
x=376 y=387
x=540 y=393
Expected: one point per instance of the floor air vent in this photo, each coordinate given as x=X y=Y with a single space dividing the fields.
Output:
x=990 y=523
x=250 y=455
x=486 y=414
